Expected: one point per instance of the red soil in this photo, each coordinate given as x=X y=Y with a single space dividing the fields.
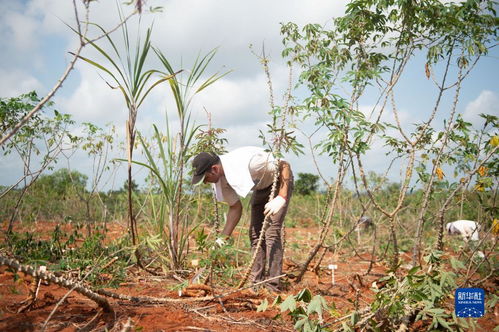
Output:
x=238 y=312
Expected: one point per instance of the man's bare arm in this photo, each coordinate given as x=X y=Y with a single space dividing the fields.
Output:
x=233 y=217
x=285 y=175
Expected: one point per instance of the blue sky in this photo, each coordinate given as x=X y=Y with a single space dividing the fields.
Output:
x=35 y=52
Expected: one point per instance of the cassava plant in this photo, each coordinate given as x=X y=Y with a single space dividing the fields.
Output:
x=278 y=141
x=306 y=311
x=97 y=143
x=38 y=145
x=368 y=51
x=81 y=26
x=417 y=296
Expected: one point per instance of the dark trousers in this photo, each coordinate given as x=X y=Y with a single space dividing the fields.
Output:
x=271 y=250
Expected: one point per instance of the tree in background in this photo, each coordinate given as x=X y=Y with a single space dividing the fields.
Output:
x=306 y=183
x=38 y=144
x=60 y=183
x=134 y=186
x=97 y=143
x=52 y=196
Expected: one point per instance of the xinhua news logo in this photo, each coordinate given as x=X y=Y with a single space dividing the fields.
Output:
x=470 y=302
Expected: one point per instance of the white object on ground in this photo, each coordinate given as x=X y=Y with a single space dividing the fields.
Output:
x=468 y=229
x=220 y=242
x=332 y=267
x=480 y=254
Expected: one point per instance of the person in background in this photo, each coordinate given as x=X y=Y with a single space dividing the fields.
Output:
x=234 y=175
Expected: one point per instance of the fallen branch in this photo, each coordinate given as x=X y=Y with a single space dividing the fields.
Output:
x=361 y=312
x=64 y=299
x=33 y=294
x=50 y=277
x=160 y=300
x=99 y=295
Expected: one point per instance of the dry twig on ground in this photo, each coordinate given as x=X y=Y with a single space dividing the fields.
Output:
x=50 y=277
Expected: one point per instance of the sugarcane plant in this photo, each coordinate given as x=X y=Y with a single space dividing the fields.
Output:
x=171 y=214
x=127 y=71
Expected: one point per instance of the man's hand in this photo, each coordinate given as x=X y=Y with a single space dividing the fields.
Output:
x=274 y=206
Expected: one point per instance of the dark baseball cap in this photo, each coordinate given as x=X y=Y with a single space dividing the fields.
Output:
x=201 y=163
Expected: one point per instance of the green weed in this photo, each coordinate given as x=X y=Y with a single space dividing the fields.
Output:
x=305 y=310
x=100 y=264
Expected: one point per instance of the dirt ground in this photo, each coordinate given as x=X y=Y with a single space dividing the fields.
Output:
x=236 y=313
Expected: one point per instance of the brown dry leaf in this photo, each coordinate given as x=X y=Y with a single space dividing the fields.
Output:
x=495 y=226
x=494 y=141
x=440 y=173
x=482 y=170
x=427 y=70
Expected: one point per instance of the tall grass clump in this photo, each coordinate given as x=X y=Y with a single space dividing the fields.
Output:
x=126 y=68
x=171 y=214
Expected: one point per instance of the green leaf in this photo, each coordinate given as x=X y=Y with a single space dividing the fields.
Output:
x=304 y=295
x=354 y=318
x=436 y=311
x=457 y=264
x=263 y=306
x=443 y=323
x=288 y=304
x=414 y=270
x=460 y=321
x=277 y=300
x=300 y=323
x=316 y=305
x=346 y=328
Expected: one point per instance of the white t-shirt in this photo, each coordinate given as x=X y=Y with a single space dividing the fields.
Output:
x=246 y=168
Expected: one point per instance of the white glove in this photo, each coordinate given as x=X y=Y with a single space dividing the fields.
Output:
x=274 y=206
x=220 y=242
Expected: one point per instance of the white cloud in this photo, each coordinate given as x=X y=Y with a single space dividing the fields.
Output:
x=53 y=15
x=26 y=23
x=23 y=29
x=235 y=101
x=93 y=100
x=188 y=26
x=486 y=103
x=15 y=82
x=36 y=39
x=244 y=134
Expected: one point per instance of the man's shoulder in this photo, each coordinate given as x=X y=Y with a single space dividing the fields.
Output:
x=242 y=153
x=248 y=149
